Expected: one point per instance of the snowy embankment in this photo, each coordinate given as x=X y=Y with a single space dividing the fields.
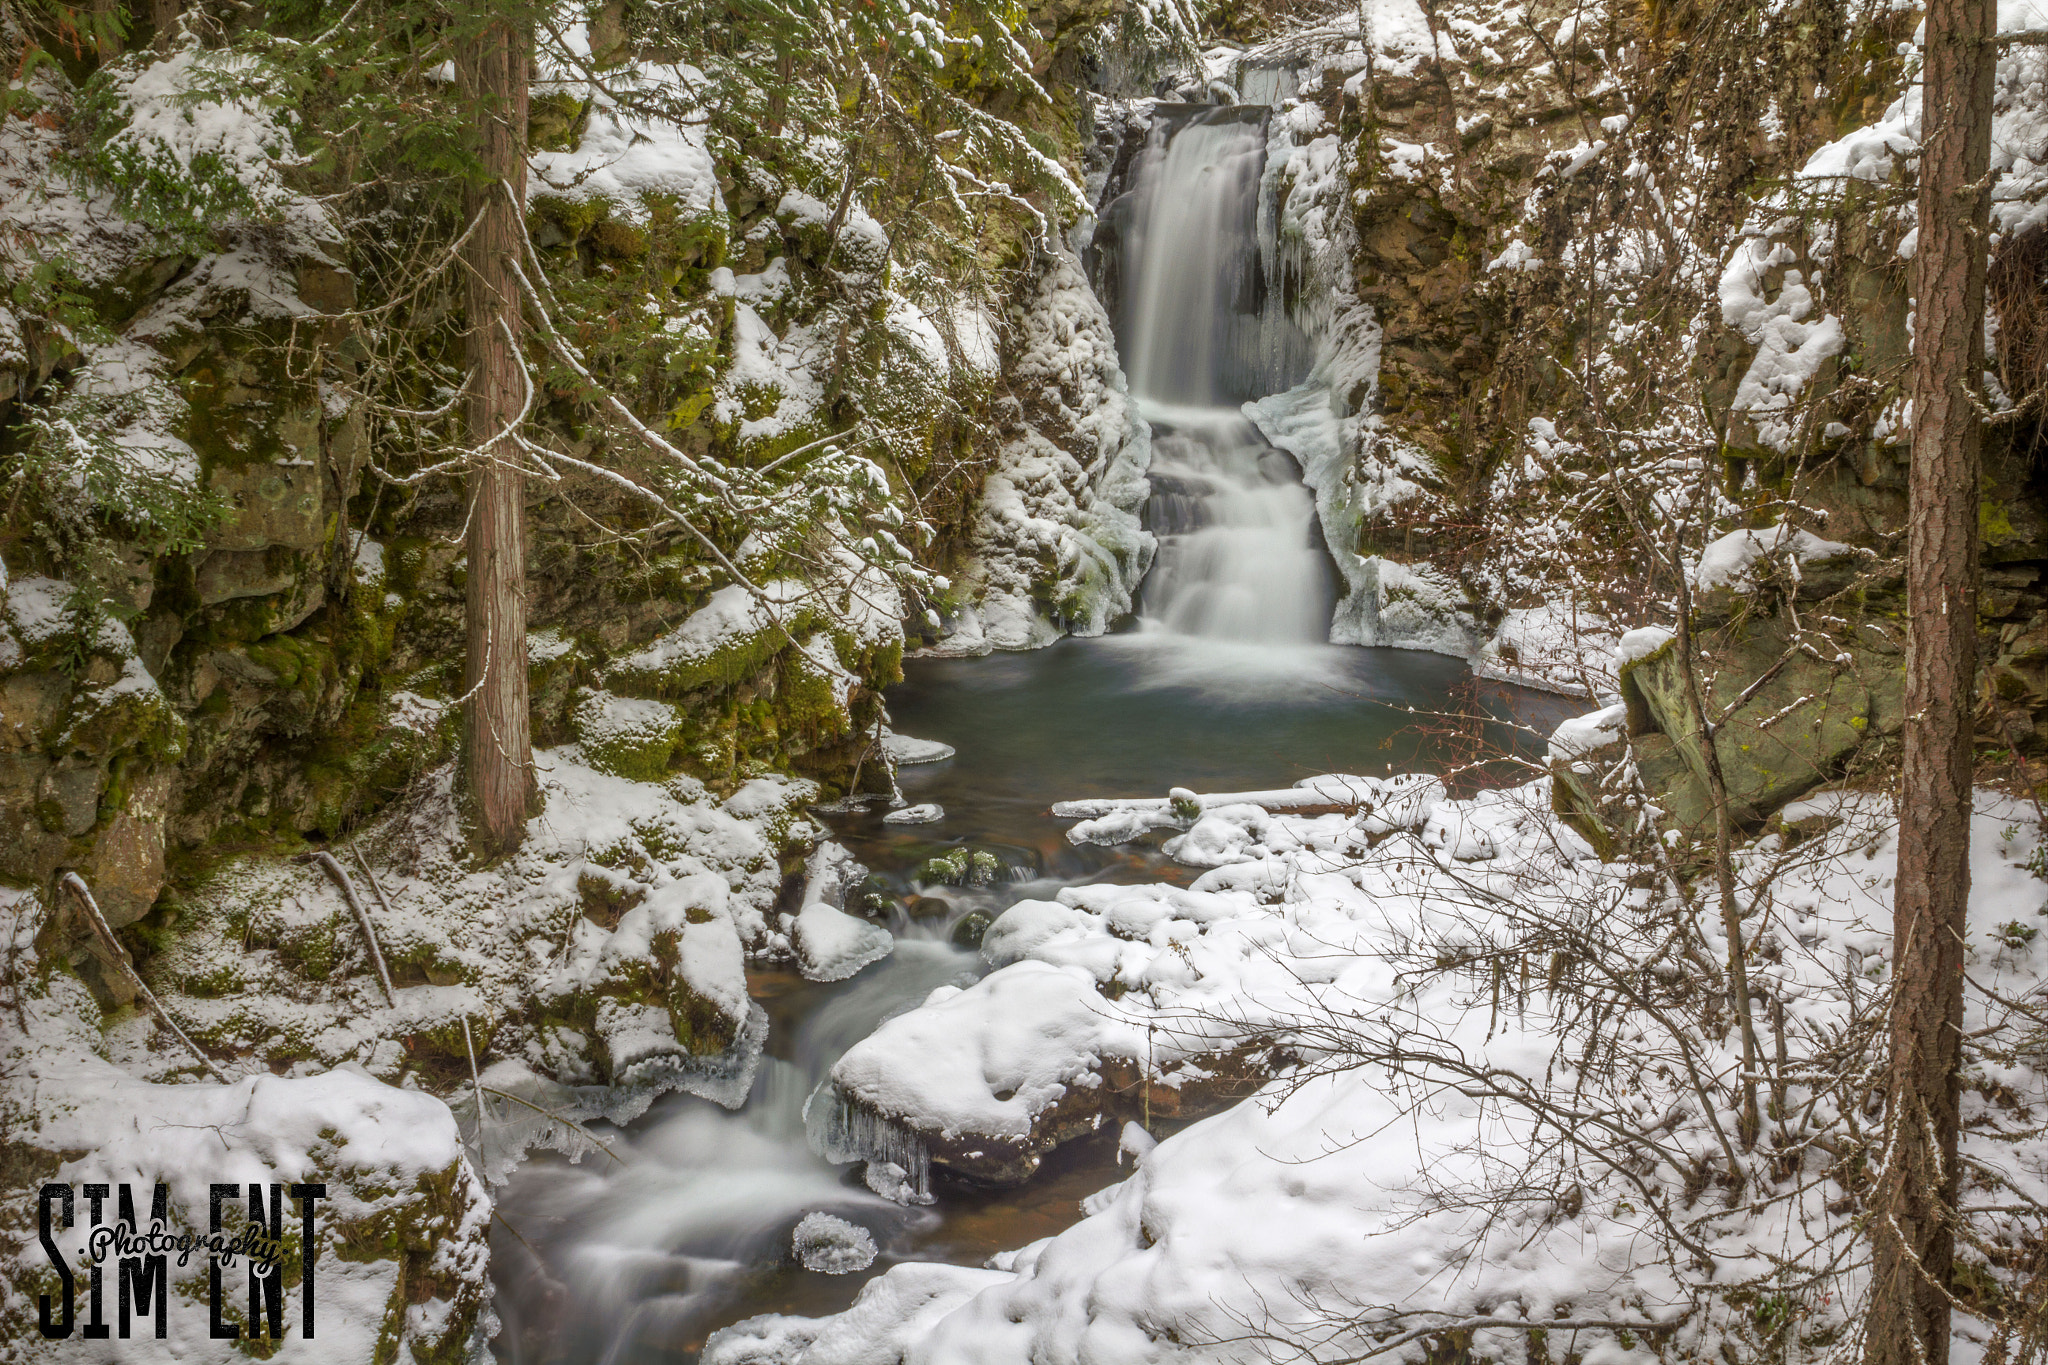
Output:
x=1493 y=1095
x=596 y=969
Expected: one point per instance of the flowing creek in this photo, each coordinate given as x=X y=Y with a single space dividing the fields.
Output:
x=1221 y=686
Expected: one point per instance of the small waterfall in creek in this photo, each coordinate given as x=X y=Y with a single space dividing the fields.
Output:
x=1203 y=328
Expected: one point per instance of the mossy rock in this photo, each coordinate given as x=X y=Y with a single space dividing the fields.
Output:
x=962 y=867
x=1817 y=711
x=627 y=736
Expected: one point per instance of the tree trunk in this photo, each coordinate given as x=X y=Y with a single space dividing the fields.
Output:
x=1913 y=1237
x=497 y=757
x=162 y=15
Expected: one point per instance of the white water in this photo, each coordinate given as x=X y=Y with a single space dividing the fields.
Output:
x=648 y=1253
x=1200 y=326
x=1239 y=555
x=1238 y=558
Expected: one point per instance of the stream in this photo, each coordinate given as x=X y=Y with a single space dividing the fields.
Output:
x=1222 y=685
x=693 y=1233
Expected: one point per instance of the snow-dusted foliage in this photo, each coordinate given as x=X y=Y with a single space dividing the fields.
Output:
x=196 y=138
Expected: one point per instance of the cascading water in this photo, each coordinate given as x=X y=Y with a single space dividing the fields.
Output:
x=1202 y=329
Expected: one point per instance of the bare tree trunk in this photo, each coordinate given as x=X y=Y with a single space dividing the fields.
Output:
x=1913 y=1235
x=497 y=745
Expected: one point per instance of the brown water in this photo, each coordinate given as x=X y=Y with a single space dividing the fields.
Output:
x=634 y=1265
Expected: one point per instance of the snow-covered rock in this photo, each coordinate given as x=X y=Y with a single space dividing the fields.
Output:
x=1058 y=520
x=831 y=1245
x=832 y=945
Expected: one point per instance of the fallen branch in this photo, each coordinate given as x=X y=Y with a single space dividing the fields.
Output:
x=119 y=956
x=1327 y=795
x=482 y=1158
x=563 y=1119
x=339 y=875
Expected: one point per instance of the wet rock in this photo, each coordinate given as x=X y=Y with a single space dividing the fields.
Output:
x=969 y=932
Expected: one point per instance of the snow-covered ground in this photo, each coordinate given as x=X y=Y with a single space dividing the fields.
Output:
x=1509 y=1108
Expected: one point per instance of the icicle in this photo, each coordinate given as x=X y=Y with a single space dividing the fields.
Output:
x=842 y=1131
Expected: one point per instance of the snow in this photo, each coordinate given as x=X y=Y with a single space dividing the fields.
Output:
x=903 y=749
x=1066 y=489
x=1640 y=643
x=1556 y=647
x=830 y=944
x=1730 y=561
x=832 y=1245
x=173 y=121
x=628 y=893
x=1358 y=1196
x=892 y=1312
x=991 y=1056
x=1791 y=343
x=728 y=621
x=1587 y=734
x=621 y=159
x=1358 y=470
x=915 y=815
x=367 y=560
x=392 y=1160
x=411 y=711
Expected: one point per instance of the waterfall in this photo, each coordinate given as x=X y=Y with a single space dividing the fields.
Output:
x=1199 y=324
x=1240 y=557
x=1201 y=330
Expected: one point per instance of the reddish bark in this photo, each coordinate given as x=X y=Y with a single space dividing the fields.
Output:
x=1913 y=1237
x=497 y=759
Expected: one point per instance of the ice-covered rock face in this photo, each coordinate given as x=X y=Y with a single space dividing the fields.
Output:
x=1058 y=547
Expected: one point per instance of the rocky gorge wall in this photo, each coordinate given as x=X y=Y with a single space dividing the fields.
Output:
x=1571 y=327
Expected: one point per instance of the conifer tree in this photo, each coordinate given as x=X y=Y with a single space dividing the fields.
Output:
x=494 y=71
x=1913 y=1223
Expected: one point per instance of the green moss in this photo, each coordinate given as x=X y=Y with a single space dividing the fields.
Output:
x=636 y=739
x=1994 y=523
x=555 y=120
x=961 y=867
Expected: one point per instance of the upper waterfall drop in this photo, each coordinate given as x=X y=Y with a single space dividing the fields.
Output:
x=1202 y=330
x=1199 y=320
